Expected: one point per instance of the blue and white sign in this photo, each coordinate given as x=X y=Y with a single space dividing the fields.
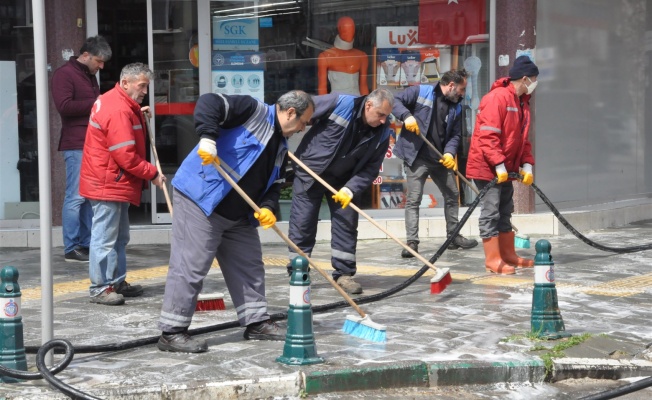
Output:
x=237 y=72
x=239 y=34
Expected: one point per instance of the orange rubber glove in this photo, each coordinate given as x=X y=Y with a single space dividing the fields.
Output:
x=266 y=218
x=411 y=125
x=343 y=197
x=448 y=161
x=501 y=173
x=526 y=174
x=207 y=151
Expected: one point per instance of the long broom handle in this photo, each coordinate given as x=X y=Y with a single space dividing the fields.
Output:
x=364 y=214
x=287 y=239
x=458 y=173
x=160 y=171
x=158 y=164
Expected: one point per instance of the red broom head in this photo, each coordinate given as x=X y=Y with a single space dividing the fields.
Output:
x=210 y=302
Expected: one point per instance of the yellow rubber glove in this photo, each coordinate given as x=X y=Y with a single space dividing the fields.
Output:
x=207 y=151
x=266 y=218
x=448 y=161
x=343 y=197
x=501 y=173
x=526 y=174
x=411 y=125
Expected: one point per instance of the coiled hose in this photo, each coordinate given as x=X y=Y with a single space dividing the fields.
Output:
x=57 y=344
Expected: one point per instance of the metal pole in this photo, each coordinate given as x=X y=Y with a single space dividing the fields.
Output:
x=44 y=167
x=492 y=41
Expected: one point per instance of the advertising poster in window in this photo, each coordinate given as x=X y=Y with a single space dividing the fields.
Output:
x=238 y=73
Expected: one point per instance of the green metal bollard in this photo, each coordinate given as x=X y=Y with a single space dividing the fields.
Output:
x=299 y=346
x=12 y=347
x=546 y=321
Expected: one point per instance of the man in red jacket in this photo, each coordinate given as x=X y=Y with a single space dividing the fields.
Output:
x=74 y=90
x=113 y=172
x=499 y=146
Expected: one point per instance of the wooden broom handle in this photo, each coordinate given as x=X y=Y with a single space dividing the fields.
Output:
x=385 y=231
x=158 y=164
x=459 y=174
x=287 y=239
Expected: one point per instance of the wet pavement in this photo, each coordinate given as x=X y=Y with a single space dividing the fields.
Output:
x=477 y=331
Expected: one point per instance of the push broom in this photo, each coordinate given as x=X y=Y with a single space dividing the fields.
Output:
x=442 y=276
x=205 y=302
x=520 y=240
x=362 y=327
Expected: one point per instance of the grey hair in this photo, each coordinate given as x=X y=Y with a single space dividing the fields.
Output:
x=297 y=99
x=134 y=70
x=97 y=46
x=378 y=96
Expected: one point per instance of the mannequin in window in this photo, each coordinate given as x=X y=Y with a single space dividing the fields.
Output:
x=342 y=65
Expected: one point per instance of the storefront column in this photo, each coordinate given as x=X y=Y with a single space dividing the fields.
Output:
x=516 y=30
x=63 y=36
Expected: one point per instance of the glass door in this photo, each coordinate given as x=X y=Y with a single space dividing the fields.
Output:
x=174 y=58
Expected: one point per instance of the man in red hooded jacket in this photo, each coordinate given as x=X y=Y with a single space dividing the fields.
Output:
x=113 y=172
x=499 y=146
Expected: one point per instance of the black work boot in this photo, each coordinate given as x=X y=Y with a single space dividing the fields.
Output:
x=350 y=286
x=265 y=330
x=460 y=242
x=414 y=246
x=128 y=290
x=181 y=342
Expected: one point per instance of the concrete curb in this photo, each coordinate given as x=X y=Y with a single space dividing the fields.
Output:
x=599 y=368
x=375 y=377
x=260 y=388
x=456 y=373
x=405 y=374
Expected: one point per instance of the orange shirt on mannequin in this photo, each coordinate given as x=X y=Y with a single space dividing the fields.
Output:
x=342 y=65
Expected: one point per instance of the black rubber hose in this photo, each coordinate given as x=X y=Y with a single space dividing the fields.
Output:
x=581 y=237
x=48 y=374
x=43 y=369
x=30 y=376
x=620 y=391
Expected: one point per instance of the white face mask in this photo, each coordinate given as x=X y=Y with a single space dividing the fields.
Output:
x=532 y=86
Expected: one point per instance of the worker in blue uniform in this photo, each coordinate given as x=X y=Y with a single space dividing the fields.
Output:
x=345 y=146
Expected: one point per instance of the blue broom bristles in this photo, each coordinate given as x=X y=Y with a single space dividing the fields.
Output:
x=522 y=241
x=365 y=328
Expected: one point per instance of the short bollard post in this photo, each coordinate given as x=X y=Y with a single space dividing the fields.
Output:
x=546 y=321
x=299 y=346
x=12 y=347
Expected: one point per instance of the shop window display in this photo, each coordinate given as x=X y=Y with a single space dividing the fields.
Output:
x=347 y=47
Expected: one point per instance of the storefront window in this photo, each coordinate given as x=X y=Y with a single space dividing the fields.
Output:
x=266 y=48
x=18 y=150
